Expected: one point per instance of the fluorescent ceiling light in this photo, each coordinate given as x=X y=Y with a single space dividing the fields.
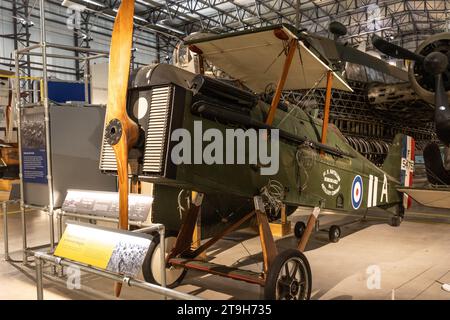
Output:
x=169 y=28
x=109 y=16
x=140 y=18
x=143 y=3
x=73 y=5
x=94 y=3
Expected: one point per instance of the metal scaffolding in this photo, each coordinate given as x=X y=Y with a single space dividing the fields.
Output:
x=41 y=50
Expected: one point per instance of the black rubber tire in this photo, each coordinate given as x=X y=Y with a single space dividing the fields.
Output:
x=299 y=229
x=146 y=266
x=396 y=221
x=334 y=234
x=272 y=286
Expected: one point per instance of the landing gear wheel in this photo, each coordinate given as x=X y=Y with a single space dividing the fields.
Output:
x=396 y=221
x=299 y=229
x=289 y=277
x=151 y=268
x=334 y=234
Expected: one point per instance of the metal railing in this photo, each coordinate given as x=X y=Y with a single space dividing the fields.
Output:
x=41 y=257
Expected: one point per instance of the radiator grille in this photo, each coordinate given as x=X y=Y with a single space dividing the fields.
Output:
x=108 y=158
x=155 y=135
x=155 y=142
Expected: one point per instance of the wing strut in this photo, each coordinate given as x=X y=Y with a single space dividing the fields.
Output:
x=281 y=81
x=327 y=107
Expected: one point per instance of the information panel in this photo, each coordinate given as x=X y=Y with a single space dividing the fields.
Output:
x=34 y=156
x=34 y=164
x=117 y=251
x=106 y=204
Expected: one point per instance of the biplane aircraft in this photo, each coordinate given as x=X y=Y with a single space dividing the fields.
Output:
x=429 y=75
x=161 y=117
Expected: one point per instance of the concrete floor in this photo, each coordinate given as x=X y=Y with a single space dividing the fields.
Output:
x=413 y=260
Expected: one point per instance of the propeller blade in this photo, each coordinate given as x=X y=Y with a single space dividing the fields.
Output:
x=394 y=51
x=121 y=132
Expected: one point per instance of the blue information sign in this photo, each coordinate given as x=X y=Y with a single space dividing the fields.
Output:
x=34 y=165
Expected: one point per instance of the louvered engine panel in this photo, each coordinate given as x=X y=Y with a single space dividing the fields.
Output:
x=155 y=142
x=107 y=159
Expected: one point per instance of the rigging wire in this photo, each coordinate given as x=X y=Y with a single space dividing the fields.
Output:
x=307 y=95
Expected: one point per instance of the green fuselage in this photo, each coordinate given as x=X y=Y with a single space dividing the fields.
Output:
x=309 y=178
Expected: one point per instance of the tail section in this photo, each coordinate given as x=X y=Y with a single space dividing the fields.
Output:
x=399 y=163
x=407 y=167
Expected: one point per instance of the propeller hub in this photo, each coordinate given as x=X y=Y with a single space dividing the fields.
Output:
x=435 y=63
x=113 y=131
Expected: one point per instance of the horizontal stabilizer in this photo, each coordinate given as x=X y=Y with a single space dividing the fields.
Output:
x=433 y=197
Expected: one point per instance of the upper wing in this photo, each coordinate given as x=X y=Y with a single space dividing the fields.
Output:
x=256 y=58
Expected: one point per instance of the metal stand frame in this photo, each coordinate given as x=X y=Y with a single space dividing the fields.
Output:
x=144 y=228
x=42 y=47
x=5 y=230
x=60 y=214
x=5 y=227
x=41 y=258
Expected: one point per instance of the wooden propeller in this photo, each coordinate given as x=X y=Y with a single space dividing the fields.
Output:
x=121 y=132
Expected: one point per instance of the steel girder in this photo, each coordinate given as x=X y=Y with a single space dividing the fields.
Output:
x=400 y=18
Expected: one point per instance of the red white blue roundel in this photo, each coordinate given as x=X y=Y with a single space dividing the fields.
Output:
x=357 y=192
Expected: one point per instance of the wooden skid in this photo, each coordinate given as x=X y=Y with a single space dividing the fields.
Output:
x=220 y=270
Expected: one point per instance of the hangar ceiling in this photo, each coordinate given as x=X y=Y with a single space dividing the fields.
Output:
x=404 y=22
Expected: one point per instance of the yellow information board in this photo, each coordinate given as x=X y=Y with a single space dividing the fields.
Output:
x=108 y=249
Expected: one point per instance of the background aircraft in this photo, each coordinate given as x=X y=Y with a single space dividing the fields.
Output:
x=429 y=75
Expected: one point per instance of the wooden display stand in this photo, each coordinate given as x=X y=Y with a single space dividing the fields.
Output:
x=6 y=184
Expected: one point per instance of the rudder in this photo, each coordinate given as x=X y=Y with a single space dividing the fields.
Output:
x=399 y=163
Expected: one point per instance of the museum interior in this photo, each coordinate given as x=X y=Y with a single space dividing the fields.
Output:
x=224 y=150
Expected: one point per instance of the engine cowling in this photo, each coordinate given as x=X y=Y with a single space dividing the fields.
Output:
x=423 y=82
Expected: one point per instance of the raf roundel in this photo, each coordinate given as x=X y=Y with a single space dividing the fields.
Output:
x=357 y=192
